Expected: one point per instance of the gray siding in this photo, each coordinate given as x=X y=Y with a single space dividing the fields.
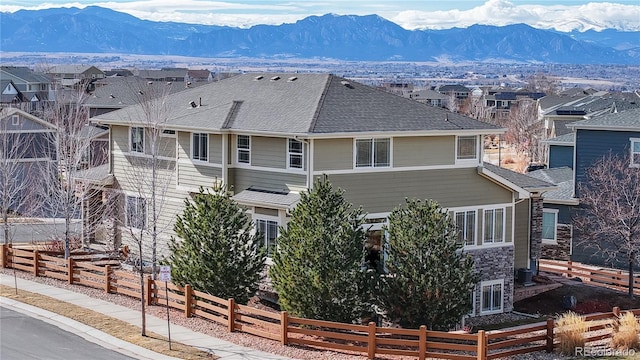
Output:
x=382 y=191
x=521 y=233
x=333 y=154
x=424 y=151
x=215 y=148
x=241 y=179
x=120 y=142
x=269 y=152
x=560 y=156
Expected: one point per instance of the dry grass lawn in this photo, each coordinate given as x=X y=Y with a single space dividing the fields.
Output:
x=107 y=324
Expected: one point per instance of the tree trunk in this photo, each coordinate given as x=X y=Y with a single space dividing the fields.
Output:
x=142 y=294
x=631 y=280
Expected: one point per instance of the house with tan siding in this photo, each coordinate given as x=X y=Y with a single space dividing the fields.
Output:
x=268 y=136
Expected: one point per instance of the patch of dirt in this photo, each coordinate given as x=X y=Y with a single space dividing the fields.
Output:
x=550 y=303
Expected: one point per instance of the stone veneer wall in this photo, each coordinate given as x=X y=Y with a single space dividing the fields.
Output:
x=561 y=250
x=495 y=263
x=536 y=228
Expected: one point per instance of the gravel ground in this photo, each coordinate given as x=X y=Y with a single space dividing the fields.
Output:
x=219 y=331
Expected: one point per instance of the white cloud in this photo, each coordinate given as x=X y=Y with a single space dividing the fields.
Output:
x=595 y=15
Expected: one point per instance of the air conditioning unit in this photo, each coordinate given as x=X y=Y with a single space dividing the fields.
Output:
x=524 y=276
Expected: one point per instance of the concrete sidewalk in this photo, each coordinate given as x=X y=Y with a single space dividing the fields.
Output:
x=224 y=350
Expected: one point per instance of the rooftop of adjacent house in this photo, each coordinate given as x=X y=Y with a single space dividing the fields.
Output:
x=70 y=69
x=426 y=94
x=300 y=104
x=628 y=120
x=25 y=74
x=455 y=88
x=562 y=140
x=162 y=74
x=118 y=92
x=562 y=177
x=199 y=74
x=522 y=180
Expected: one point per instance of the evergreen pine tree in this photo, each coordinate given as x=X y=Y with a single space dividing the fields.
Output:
x=217 y=252
x=429 y=278
x=318 y=269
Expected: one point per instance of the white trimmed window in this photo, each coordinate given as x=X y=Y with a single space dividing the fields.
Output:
x=200 y=147
x=135 y=212
x=491 y=296
x=137 y=140
x=549 y=225
x=268 y=232
x=466 y=223
x=373 y=152
x=494 y=224
x=244 y=149
x=15 y=120
x=168 y=133
x=467 y=148
x=295 y=154
x=635 y=152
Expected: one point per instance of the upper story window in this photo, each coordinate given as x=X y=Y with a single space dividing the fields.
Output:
x=168 y=133
x=373 y=152
x=136 y=212
x=15 y=120
x=467 y=148
x=466 y=223
x=549 y=223
x=493 y=226
x=244 y=149
x=295 y=154
x=137 y=139
x=635 y=152
x=200 y=147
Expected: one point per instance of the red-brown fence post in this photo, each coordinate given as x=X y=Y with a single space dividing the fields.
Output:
x=35 y=262
x=284 y=328
x=188 y=300
x=482 y=345
x=70 y=270
x=550 y=326
x=148 y=285
x=107 y=278
x=231 y=316
x=371 y=342
x=569 y=274
x=616 y=319
x=3 y=256
x=422 y=343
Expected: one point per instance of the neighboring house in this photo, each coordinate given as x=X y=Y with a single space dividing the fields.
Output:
x=34 y=154
x=11 y=96
x=570 y=157
x=118 y=92
x=72 y=76
x=199 y=75
x=36 y=88
x=165 y=74
x=459 y=91
x=427 y=96
x=398 y=88
x=268 y=136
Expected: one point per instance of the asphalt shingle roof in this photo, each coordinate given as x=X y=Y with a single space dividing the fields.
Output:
x=566 y=139
x=627 y=119
x=300 y=104
x=522 y=180
x=562 y=177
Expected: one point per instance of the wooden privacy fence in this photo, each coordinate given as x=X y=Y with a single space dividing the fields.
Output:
x=369 y=340
x=594 y=275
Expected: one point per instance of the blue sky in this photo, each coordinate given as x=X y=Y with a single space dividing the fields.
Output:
x=417 y=14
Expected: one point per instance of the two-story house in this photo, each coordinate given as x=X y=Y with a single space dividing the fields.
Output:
x=570 y=157
x=72 y=76
x=268 y=136
x=35 y=87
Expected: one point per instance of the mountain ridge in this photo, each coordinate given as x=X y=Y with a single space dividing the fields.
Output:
x=346 y=37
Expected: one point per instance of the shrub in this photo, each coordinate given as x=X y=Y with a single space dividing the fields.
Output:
x=56 y=244
x=625 y=336
x=571 y=328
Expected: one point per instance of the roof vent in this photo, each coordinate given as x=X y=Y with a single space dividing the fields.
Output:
x=275 y=78
x=193 y=104
x=345 y=83
x=149 y=82
x=111 y=96
x=259 y=77
x=169 y=83
x=293 y=78
x=140 y=92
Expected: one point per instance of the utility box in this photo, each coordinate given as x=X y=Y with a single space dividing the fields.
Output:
x=524 y=276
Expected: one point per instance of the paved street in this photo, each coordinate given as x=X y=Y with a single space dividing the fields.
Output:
x=40 y=231
x=24 y=337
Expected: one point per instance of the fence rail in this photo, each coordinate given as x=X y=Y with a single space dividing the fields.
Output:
x=594 y=275
x=367 y=340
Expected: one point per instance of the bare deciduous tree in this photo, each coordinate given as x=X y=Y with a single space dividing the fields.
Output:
x=15 y=149
x=452 y=102
x=524 y=131
x=608 y=221
x=542 y=82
